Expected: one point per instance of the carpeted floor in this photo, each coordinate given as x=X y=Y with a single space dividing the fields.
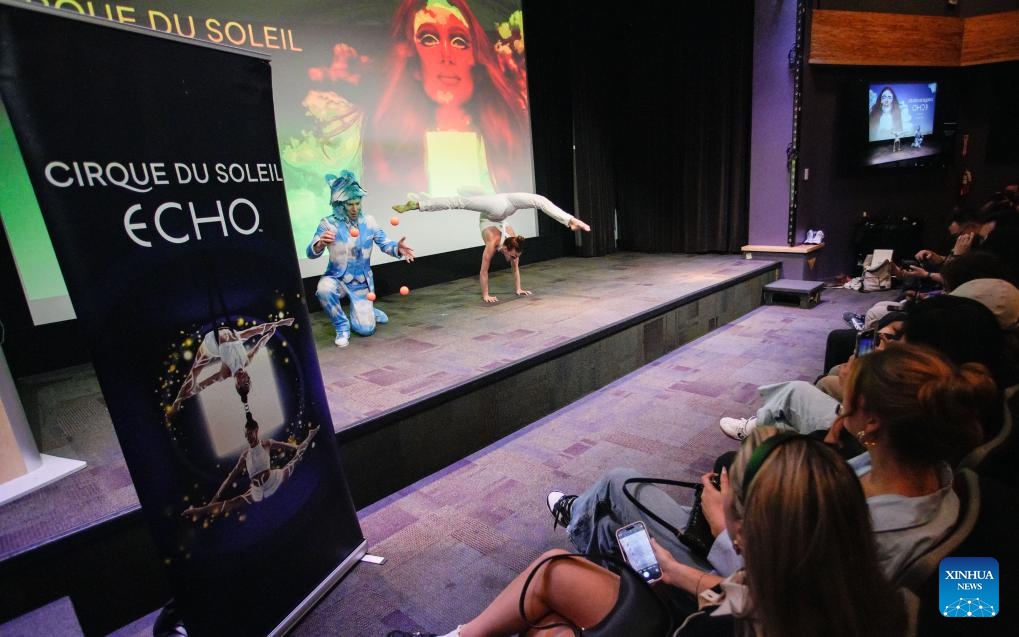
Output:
x=438 y=337
x=454 y=539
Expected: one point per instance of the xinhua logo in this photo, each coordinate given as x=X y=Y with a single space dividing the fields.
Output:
x=969 y=587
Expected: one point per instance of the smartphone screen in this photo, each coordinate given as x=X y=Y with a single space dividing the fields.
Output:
x=865 y=341
x=635 y=544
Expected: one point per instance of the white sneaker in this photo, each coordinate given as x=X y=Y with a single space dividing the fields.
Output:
x=341 y=340
x=559 y=505
x=737 y=428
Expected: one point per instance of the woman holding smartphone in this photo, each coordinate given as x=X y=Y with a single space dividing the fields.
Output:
x=785 y=491
x=912 y=413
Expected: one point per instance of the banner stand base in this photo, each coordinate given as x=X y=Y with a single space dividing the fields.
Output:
x=324 y=587
x=51 y=470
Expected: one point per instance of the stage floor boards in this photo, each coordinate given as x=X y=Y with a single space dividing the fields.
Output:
x=438 y=338
x=444 y=335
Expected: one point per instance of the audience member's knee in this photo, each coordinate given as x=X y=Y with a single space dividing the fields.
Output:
x=619 y=475
x=797 y=386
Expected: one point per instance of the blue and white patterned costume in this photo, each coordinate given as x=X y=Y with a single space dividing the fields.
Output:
x=349 y=271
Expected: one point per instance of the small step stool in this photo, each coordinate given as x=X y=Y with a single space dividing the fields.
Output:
x=808 y=293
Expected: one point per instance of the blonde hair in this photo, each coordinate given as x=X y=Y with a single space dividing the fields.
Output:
x=929 y=409
x=811 y=561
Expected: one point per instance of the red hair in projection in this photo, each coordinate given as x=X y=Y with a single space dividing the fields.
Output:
x=444 y=74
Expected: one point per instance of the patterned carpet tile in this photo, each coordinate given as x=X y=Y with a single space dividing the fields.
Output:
x=456 y=538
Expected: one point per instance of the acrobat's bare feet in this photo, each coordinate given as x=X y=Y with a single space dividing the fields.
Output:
x=404 y=207
x=304 y=444
x=309 y=438
x=490 y=299
x=577 y=224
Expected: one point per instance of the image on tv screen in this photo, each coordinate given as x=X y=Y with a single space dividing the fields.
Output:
x=901 y=122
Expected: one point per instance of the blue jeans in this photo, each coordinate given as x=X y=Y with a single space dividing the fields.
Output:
x=603 y=508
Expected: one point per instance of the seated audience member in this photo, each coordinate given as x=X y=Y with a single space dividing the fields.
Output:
x=1002 y=299
x=916 y=414
x=964 y=225
x=961 y=329
x=925 y=276
x=997 y=295
x=978 y=264
x=794 y=511
x=978 y=261
x=910 y=409
x=887 y=330
x=1001 y=236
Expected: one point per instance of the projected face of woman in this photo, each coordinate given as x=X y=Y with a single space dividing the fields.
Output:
x=446 y=52
x=886 y=100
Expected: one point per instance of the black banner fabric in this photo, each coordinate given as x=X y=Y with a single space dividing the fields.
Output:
x=156 y=166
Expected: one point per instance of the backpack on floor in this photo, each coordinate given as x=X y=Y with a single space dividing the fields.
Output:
x=876 y=276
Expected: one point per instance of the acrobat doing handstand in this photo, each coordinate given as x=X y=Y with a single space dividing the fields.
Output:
x=227 y=346
x=256 y=460
x=497 y=235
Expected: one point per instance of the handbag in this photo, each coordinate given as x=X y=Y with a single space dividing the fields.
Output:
x=697 y=535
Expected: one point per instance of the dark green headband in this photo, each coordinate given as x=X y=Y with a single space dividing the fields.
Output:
x=761 y=454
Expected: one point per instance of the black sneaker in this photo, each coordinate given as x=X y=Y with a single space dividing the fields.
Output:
x=559 y=505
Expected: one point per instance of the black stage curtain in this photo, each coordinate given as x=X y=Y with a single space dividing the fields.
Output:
x=572 y=154
x=683 y=136
x=659 y=97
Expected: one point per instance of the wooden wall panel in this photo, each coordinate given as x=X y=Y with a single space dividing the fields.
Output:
x=990 y=38
x=863 y=38
x=860 y=38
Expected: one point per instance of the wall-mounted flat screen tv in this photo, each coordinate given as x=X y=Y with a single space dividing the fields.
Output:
x=902 y=129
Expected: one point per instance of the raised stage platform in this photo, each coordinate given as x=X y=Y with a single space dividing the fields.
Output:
x=447 y=376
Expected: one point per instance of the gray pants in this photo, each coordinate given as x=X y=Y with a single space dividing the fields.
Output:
x=796 y=405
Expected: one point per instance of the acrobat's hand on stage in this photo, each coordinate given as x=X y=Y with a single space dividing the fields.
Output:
x=406 y=251
x=487 y=298
x=404 y=207
x=577 y=224
x=521 y=292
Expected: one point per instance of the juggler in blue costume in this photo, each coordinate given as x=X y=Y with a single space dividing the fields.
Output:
x=349 y=272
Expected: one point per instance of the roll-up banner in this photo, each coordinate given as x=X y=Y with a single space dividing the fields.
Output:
x=156 y=165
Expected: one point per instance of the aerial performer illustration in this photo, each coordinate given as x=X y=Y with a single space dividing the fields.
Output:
x=496 y=234
x=256 y=461
x=348 y=235
x=226 y=346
